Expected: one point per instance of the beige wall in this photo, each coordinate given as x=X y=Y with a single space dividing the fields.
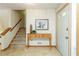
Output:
x=22 y=13
x=15 y=17
x=4 y=19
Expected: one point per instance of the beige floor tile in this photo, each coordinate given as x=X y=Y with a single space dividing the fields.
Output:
x=21 y=50
x=31 y=51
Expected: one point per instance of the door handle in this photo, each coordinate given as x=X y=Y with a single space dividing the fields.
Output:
x=67 y=37
x=66 y=29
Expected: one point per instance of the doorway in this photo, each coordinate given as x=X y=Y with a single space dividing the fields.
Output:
x=20 y=38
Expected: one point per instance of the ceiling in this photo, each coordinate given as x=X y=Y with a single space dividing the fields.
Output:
x=22 y=6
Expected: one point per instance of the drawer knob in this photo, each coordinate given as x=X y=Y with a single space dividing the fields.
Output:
x=39 y=43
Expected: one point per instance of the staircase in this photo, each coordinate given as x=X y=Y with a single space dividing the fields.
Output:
x=20 y=39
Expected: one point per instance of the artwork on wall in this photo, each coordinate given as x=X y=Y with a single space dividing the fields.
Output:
x=41 y=24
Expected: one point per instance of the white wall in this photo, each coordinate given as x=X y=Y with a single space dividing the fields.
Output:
x=49 y=14
x=73 y=30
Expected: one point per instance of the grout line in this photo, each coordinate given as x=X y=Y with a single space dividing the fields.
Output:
x=59 y=52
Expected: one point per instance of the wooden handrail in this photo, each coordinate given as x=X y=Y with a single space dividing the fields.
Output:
x=5 y=31
x=0 y=36
x=16 y=24
x=9 y=29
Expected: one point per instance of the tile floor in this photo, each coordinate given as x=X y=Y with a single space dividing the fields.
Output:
x=18 y=48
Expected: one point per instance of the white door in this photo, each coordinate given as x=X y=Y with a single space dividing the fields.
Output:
x=63 y=31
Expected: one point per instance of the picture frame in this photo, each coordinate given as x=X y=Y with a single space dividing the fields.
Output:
x=41 y=24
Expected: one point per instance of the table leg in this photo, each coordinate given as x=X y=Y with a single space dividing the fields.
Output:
x=50 y=43
x=28 y=43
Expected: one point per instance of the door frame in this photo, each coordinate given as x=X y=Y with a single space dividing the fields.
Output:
x=77 y=32
x=69 y=40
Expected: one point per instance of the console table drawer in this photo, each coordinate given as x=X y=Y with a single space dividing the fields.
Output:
x=40 y=43
x=37 y=36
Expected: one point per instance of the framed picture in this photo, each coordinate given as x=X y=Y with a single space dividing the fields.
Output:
x=41 y=24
